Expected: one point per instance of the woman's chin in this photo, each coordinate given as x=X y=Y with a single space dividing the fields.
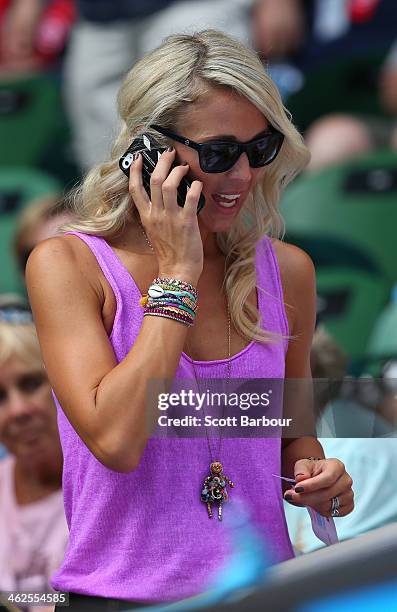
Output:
x=216 y=220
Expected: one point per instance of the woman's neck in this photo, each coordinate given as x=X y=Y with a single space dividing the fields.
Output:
x=34 y=482
x=210 y=244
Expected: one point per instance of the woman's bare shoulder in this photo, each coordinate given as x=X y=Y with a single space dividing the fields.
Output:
x=60 y=250
x=64 y=261
x=298 y=279
x=292 y=261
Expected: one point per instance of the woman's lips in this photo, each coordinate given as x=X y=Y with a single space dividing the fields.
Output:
x=226 y=203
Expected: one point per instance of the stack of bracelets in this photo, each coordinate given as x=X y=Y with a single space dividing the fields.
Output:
x=171 y=298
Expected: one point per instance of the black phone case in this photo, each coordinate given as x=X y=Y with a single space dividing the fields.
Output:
x=151 y=152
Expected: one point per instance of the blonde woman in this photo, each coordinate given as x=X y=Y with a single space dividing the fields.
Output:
x=32 y=520
x=140 y=532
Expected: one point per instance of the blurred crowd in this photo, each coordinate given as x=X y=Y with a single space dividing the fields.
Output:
x=335 y=62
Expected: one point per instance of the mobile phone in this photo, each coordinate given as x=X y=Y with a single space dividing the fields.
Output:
x=151 y=153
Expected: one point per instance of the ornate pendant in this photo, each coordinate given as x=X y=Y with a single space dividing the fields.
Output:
x=214 y=488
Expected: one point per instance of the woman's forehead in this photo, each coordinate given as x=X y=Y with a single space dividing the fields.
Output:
x=19 y=365
x=221 y=112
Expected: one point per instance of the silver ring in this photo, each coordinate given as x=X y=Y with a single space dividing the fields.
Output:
x=335 y=505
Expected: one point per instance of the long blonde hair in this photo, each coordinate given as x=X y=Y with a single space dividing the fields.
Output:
x=20 y=340
x=158 y=90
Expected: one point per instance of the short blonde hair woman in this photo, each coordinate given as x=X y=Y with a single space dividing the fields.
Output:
x=143 y=509
x=32 y=519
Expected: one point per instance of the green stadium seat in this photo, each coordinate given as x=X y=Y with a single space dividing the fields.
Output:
x=29 y=118
x=341 y=86
x=382 y=345
x=348 y=213
x=349 y=302
x=34 y=128
x=18 y=187
x=345 y=218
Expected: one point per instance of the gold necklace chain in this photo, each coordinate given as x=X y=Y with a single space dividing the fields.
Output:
x=145 y=234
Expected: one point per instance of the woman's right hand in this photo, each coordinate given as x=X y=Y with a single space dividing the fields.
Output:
x=172 y=230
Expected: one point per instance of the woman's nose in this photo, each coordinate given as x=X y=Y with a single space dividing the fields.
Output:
x=241 y=169
x=19 y=405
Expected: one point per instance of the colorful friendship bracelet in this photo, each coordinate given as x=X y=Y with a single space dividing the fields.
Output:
x=166 y=297
x=172 y=291
x=171 y=298
x=169 y=315
x=173 y=282
x=175 y=310
x=156 y=303
x=172 y=310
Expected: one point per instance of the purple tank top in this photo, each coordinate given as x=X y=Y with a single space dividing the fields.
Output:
x=146 y=535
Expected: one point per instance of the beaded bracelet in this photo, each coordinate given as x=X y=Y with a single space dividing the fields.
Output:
x=171 y=298
x=171 y=310
x=173 y=282
x=170 y=315
x=158 y=290
x=183 y=301
x=176 y=307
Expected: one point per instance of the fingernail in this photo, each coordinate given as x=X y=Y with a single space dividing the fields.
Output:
x=299 y=474
x=135 y=156
x=184 y=163
x=299 y=489
x=170 y=149
x=288 y=497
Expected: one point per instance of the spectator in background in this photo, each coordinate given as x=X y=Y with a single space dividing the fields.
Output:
x=335 y=138
x=33 y=33
x=371 y=461
x=388 y=82
x=338 y=137
x=278 y=28
x=38 y=221
x=111 y=36
x=32 y=522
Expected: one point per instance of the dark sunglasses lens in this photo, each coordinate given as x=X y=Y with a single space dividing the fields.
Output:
x=264 y=151
x=218 y=157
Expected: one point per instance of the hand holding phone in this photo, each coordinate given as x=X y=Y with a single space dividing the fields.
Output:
x=151 y=153
x=168 y=212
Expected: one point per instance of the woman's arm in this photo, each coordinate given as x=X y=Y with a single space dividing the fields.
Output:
x=326 y=478
x=299 y=283
x=105 y=401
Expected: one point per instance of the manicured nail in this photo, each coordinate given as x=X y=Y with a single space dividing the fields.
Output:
x=299 y=490
x=170 y=149
x=288 y=497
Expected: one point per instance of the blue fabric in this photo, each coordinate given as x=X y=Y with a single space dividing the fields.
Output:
x=119 y=10
x=371 y=463
x=376 y=598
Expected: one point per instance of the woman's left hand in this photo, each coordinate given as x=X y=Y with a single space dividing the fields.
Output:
x=318 y=482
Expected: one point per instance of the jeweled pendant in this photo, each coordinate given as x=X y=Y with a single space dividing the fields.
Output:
x=214 y=489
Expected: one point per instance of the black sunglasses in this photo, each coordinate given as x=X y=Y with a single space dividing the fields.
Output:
x=221 y=155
